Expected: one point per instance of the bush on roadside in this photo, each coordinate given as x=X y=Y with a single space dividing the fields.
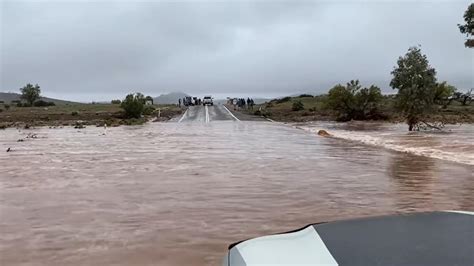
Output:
x=148 y=110
x=297 y=106
x=354 y=102
x=133 y=105
x=7 y=107
x=116 y=102
x=306 y=96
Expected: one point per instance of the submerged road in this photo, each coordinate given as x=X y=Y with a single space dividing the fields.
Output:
x=173 y=194
x=208 y=114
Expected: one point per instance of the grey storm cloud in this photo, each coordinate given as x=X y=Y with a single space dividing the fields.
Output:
x=101 y=50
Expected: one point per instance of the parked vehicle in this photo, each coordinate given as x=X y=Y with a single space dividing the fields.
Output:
x=207 y=100
x=188 y=101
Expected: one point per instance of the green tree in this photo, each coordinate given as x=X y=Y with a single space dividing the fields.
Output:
x=30 y=93
x=354 y=102
x=415 y=81
x=468 y=28
x=133 y=105
x=444 y=93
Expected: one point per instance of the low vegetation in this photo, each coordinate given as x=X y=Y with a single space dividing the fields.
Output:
x=133 y=110
x=317 y=109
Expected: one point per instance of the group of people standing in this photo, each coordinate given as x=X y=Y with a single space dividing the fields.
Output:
x=241 y=103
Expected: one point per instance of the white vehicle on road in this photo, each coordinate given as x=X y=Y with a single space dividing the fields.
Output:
x=207 y=100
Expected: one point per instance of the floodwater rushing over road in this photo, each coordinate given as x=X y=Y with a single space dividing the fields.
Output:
x=179 y=193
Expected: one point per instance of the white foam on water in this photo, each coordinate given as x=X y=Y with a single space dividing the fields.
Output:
x=391 y=142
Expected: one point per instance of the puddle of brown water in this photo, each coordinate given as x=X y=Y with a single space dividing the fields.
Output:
x=178 y=194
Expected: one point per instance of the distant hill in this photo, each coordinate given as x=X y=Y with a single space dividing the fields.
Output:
x=169 y=98
x=7 y=97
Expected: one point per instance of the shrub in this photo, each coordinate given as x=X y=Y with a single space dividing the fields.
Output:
x=297 y=106
x=306 y=96
x=148 y=110
x=353 y=102
x=7 y=106
x=74 y=113
x=42 y=103
x=133 y=105
x=116 y=102
x=1 y=110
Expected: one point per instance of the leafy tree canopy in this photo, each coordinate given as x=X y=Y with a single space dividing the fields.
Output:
x=133 y=105
x=415 y=81
x=468 y=27
x=354 y=102
x=30 y=93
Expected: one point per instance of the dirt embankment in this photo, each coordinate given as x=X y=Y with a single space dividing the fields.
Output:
x=79 y=115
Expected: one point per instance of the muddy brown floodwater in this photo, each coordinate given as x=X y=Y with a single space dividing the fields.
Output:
x=179 y=194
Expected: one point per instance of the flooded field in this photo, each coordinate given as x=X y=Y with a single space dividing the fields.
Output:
x=180 y=193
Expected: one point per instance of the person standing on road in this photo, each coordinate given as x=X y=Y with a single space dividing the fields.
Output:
x=179 y=102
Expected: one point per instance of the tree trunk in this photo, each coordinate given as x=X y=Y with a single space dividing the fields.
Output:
x=411 y=121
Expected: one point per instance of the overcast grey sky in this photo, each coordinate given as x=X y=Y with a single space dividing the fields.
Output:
x=99 y=50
